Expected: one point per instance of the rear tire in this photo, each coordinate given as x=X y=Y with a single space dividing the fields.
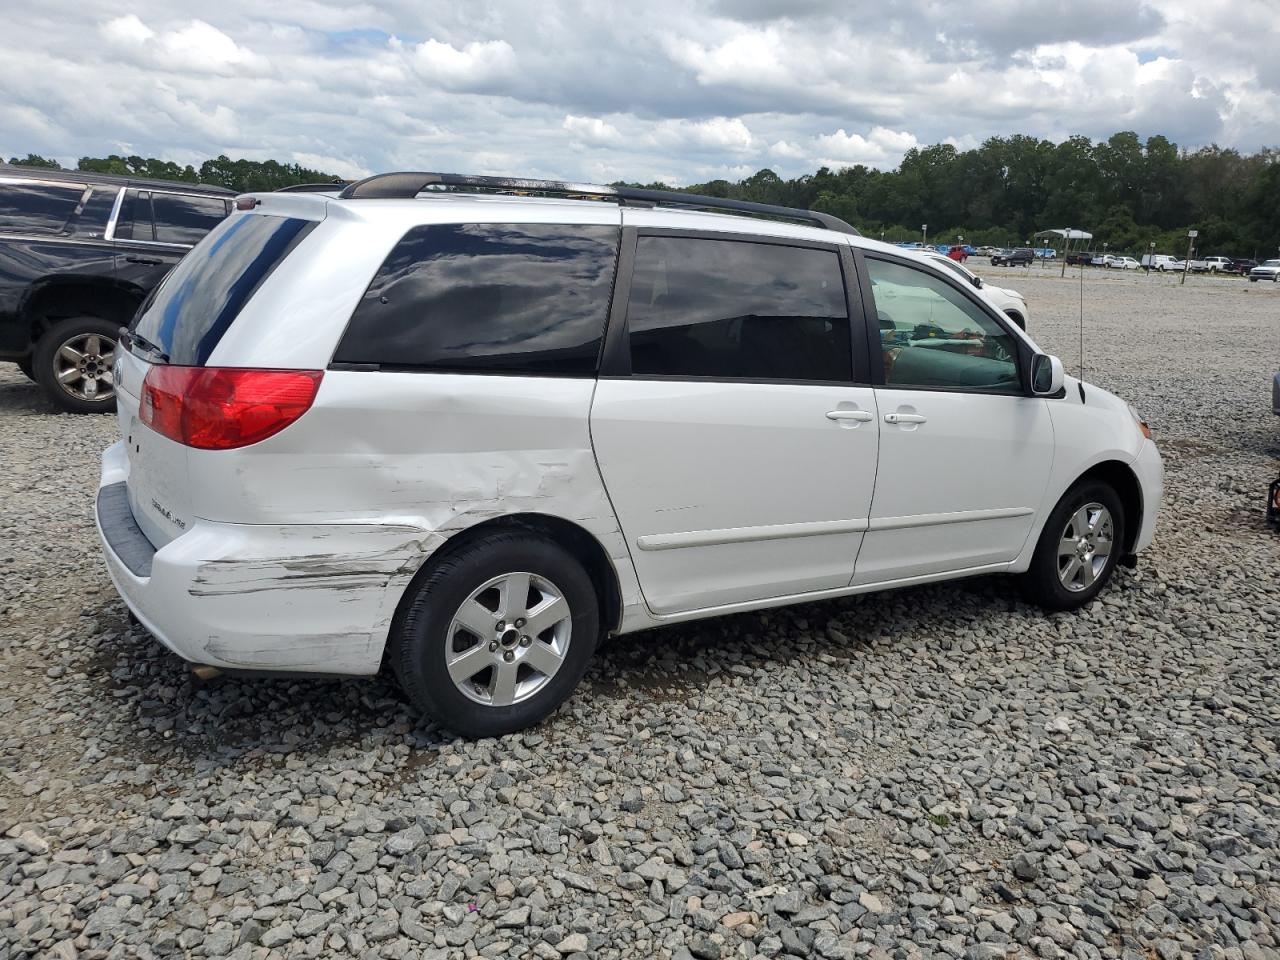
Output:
x=25 y=366
x=1069 y=567
x=73 y=364
x=458 y=667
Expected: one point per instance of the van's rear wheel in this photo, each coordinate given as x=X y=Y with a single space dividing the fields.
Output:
x=497 y=635
x=73 y=363
x=1078 y=549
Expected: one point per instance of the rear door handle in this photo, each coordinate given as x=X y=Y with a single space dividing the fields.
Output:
x=147 y=260
x=862 y=416
x=905 y=418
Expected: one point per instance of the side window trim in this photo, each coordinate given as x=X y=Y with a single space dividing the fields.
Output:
x=149 y=194
x=616 y=357
x=1022 y=358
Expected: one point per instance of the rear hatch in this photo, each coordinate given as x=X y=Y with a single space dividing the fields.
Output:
x=180 y=325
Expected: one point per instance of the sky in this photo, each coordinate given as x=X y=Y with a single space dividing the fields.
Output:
x=680 y=91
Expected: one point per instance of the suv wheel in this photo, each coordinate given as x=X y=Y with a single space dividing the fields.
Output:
x=1078 y=548
x=73 y=362
x=497 y=635
x=25 y=366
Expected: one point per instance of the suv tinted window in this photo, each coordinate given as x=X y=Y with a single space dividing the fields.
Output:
x=197 y=302
x=931 y=335
x=737 y=310
x=38 y=207
x=527 y=297
x=184 y=218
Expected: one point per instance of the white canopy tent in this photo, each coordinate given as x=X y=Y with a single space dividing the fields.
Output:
x=1066 y=233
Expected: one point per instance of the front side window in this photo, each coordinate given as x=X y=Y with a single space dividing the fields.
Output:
x=32 y=207
x=488 y=297
x=729 y=309
x=931 y=335
x=182 y=218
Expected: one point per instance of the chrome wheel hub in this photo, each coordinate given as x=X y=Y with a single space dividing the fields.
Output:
x=83 y=365
x=1084 y=548
x=508 y=639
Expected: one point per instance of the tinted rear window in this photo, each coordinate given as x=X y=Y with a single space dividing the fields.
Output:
x=519 y=298
x=208 y=288
x=38 y=207
x=185 y=219
x=734 y=310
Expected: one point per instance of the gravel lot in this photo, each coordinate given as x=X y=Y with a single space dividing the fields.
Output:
x=937 y=772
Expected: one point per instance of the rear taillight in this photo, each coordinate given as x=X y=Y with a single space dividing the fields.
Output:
x=220 y=408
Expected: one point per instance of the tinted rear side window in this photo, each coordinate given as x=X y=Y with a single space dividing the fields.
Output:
x=735 y=310
x=185 y=219
x=485 y=297
x=38 y=207
x=207 y=289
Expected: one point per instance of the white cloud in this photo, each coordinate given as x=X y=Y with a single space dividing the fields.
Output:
x=592 y=130
x=475 y=66
x=881 y=147
x=127 y=30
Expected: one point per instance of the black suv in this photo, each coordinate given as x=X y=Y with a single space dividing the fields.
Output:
x=78 y=253
x=1020 y=257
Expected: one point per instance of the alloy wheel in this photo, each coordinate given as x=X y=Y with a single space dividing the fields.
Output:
x=1085 y=547
x=82 y=367
x=508 y=639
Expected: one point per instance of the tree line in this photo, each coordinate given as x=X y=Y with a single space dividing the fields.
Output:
x=243 y=176
x=1127 y=192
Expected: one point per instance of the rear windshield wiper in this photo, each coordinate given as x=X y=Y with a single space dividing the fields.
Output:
x=147 y=346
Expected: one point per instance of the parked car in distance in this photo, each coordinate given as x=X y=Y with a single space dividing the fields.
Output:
x=1242 y=265
x=1019 y=257
x=1160 y=261
x=639 y=415
x=1124 y=263
x=958 y=253
x=1210 y=265
x=1267 y=270
x=1012 y=303
x=79 y=252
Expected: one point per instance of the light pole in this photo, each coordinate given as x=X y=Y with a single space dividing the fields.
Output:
x=1186 y=264
x=1151 y=255
x=924 y=234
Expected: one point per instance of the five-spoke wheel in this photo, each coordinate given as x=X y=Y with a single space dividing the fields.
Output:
x=495 y=634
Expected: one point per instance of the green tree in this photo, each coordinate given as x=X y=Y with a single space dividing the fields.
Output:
x=35 y=160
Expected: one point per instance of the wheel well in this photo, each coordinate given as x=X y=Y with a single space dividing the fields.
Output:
x=585 y=548
x=1123 y=481
x=59 y=300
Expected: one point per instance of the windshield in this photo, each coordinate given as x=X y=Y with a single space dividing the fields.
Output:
x=207 y=290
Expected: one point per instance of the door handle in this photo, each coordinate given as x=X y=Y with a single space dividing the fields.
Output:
x=147 y=260
x=862 y=416
x=904 y=418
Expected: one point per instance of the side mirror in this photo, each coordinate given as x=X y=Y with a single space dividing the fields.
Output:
x=977 y=282
x=1046 y=375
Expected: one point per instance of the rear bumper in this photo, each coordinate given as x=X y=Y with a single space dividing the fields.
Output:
x=298 y=598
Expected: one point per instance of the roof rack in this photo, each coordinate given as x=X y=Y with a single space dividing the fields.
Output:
x=312 y=187
x=405 y=186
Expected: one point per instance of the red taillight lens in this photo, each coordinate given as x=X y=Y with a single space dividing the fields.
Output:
x=221 y=408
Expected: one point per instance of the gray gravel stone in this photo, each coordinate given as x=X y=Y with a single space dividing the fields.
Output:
x=934 y=772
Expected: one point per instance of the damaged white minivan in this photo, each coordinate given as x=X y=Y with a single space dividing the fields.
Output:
x=465 y=427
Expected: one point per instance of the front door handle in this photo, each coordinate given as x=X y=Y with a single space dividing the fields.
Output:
x=905 y=418
x=862 y=416
x=147 y=260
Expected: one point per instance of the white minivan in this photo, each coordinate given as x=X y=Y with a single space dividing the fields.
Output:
x=466 y=427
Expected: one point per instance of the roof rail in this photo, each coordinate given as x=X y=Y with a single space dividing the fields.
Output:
x=408 y=185
x=312 y=187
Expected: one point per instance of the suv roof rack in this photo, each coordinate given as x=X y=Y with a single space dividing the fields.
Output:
x=312 y=187
x=406 y=185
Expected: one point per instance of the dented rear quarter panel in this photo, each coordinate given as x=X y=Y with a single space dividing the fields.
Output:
x=380 y=473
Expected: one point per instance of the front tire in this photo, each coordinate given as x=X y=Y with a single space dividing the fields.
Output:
x=25 y=366
x=73 y=364
x=1078 y=549
x=497 y=635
